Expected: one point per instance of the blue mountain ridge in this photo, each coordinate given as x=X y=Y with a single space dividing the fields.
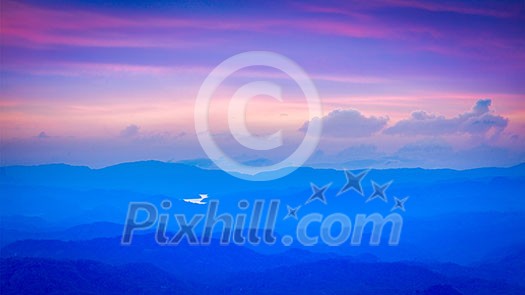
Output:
x=462 y=230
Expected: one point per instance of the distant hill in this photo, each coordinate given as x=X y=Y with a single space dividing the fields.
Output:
x=448 y=212
x=343 y=277
x=183 y=260
x=49 y=276
x=74 y=233
x=78 y=195
x=153 y=177
x=44 y=276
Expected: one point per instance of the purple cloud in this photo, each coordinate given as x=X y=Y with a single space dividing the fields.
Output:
x=479 y=120
x=350 y=123
x=43 y=134
x=130 y=131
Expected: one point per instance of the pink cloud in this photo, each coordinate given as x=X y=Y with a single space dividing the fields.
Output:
x=457 y=7
x=476 y=8
x=100 y=69
x=31 y=26
x=25 y=25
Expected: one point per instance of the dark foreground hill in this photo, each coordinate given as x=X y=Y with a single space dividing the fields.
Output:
x=48 y=276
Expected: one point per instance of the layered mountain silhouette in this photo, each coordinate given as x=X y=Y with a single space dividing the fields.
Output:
x=61 y=227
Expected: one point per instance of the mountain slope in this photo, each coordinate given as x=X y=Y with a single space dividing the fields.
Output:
x=48 y=276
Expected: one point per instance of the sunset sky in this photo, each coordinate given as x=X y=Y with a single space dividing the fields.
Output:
x=402 y=83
